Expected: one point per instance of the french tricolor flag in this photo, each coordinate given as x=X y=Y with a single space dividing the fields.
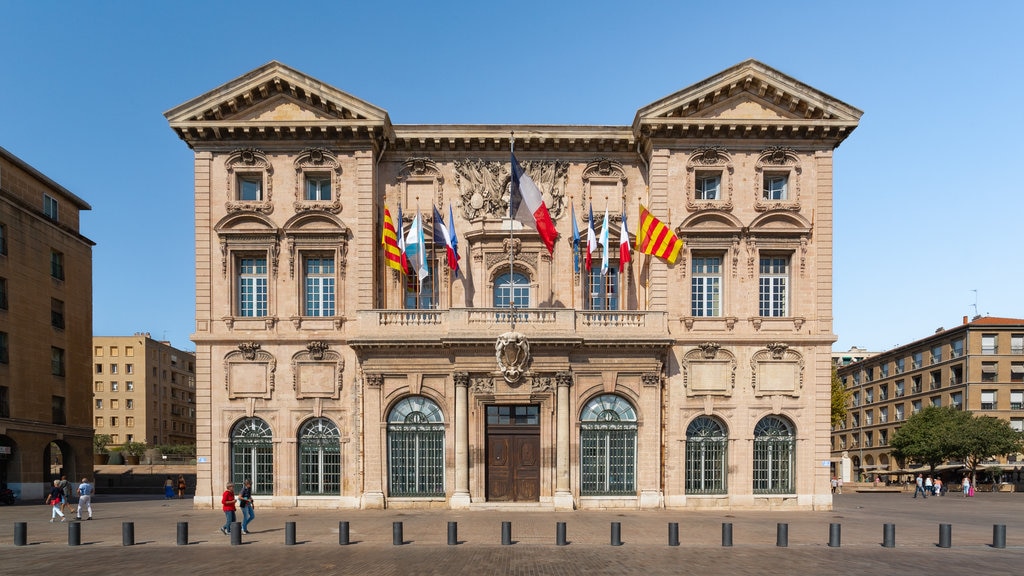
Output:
x=526 y=204
x=446 y=237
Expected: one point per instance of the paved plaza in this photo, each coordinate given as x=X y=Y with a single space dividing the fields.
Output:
x=644 y=537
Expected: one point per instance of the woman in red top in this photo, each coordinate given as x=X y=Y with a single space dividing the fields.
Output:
x=227 y=503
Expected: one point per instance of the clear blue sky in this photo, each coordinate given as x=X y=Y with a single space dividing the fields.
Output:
x=928 y=188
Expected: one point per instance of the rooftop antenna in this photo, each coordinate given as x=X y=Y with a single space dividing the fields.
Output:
x=975 y=305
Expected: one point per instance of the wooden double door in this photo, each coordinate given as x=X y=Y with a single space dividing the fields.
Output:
x=513 y=453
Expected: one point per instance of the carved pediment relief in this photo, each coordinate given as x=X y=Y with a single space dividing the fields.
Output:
x=777 y=369
x=317 y=371
x=483 y=186
x=282 y=109
x=709 y=369
x=249 y=372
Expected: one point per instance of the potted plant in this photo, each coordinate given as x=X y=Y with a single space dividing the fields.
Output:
x=133 y=451
x=99 y=448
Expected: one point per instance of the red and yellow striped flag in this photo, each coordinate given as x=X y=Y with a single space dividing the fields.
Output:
x=389 y=239
x=654 y=237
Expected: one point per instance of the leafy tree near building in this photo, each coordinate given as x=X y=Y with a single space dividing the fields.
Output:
x=840 y=398
x=927 y=437
x=981 y=438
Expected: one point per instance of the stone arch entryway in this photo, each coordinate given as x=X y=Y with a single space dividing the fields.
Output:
x=58 y=460
x=10 y=463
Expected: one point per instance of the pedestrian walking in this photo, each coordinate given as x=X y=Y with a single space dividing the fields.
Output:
x=181 y=486
x=168 y=488
x=85 y=490
x=227 y=504
x=839 y=485
x=938 y=487
x=65 y=488
x=929 y=486
x=835 y=484
x=920 y=487
x=245 y=501
x=967 y=488
x=56 y=499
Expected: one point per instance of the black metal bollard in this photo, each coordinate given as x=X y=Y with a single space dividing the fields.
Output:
x=127 y=533
x=506 y=533
x=945 y=535
x=726 y=533
x=782 y=535
x=182 y=533
x=616 y=534
x=21 y=533
x=889 y=536
x=673 y=533
x=236 y=533
x=453 y=533
x=343 y=533
x=835 y=535
x=75 y=534
x=999 y=535
x=396 y=534
x=560 y=534
x=289 y=533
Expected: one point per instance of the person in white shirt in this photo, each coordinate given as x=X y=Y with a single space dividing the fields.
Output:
x=85 y=490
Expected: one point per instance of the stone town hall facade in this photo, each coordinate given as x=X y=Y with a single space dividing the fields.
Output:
x=331 y=380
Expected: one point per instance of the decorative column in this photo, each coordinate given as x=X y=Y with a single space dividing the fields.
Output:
x=563 y=430
x=461 y=499
x=649 y=443
x=374 y=429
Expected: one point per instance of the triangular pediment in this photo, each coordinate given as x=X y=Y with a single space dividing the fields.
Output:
x=749 y=99
x=276 y=99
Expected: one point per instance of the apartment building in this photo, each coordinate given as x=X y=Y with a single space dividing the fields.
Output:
x=143 y=390
x=45 y=331
x=696 y=379
x=976 y=366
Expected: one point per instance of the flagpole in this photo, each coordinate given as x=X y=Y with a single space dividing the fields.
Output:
x=511 y=238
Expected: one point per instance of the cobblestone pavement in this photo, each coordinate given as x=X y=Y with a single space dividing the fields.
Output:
x=860 y=520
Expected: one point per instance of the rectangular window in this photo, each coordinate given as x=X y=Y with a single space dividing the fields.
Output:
x=50 y=206
x=918 y=359
x=99 y=422
x=56 y=361
x=113 y=421
x=1017 y=372
x=915 y=384
x=883 y=392
x=59 y=413
x=916 y=406
x=899 y=388
x=113 y=351
x=97 y=386
x=900 y=365
x=884 y=369
x=113 y=368
x=988 y=400
x=420 y=295
x=129 y=404
x=883 y=415
x=57 y=264
x=956 y=348
x=129 y=368
x=3 y=239
x=899 y=412
x=883 y=437
x=935 y=379
x=989 y=344
x=252 y=287
x=989 y=371
x=318 y=186
x=99 y=368
x=603 y=289
x=869 y=395
x=115 y=405
x=869 y=374
x=856 y=399
x=708 y=186
x=5 y=402
x=706 y=286
x=1016 y=399
x=129 y=386
x=956 y=400
x=1017 y=344
x=99 y=403
x=319 y=287
x=937 y=401
x=3 y=293
x=869 y=438
x=1017 y=424
x=57 y=313
x=855 y=418
x=774 y=281
x=113 y=386
x=129 y=351
x=869 y=417
x=250 y=187
x=775 y=186
x=936 y=356
x=129 y=421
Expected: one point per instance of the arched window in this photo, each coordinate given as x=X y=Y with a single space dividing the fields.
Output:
x=706 y=462
x=512 y=289
x=252 y=455
x=416 y=448
x=319 y=457
x=608 y=446
x=774 y=456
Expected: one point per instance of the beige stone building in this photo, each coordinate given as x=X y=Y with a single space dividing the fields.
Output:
x=143 y=390
x=45 y=330
x=332 y=380
x=976 y=366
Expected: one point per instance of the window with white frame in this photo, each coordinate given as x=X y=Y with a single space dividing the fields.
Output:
x=899 y=412
x=706 y=286
x=706 y=456
x=1016 y=399
x=883 y=414
x=50 y=207
x=1017 y=372
x=602 y=289
x=936 y=401
x=250 y=187
x=776 y=186
x=989 y=371
x=956 y=400
x=774 y=286
x=318 y=186
x=1017 y=424
x=989 y=344
x=416 y=448
x=915 y=407
x=252 y=454
x=918 y=360
x=319 y=457
x=869 y=395
x=608 y=434
x=1017 y=344
x=708 y=186
x=901 y=365
x=899 y=388
x=319 y=284
x=252 y=287
x=57 y=264
x=774 y=456
x=988 y=400
x=936 y=355
x=512 y=289
x=956 y=348
x=884 y=370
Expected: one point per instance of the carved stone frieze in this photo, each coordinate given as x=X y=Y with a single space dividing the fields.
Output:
x=483 y=186
x=461 y=379
x=373 y=379
x=482 y=385
x=563 y=379
x=541 y=384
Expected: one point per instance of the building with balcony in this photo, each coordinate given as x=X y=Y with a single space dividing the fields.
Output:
x=143 y=390
x=333 y=380
x=45 y=330
x=977 y=366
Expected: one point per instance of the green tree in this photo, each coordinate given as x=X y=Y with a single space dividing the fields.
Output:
x=980 y=438
x=927 y=437
x=840 y=398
